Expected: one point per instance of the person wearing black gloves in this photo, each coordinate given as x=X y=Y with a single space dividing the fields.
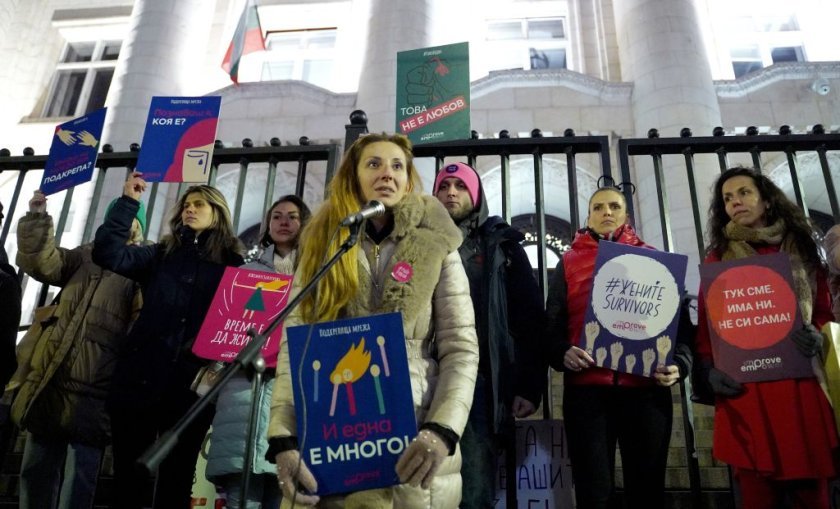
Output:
x=602 y=407
x=778 y=436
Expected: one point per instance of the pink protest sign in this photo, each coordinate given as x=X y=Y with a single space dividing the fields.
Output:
x=244 y=299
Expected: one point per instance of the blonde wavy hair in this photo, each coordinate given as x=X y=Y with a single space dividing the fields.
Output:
x=341 y=283
x=222 y=241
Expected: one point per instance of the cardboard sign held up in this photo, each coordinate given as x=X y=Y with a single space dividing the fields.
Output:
x=179 y=139
x=244 y=299
x=751 y=309
x=633 y=314
x=73 y=152
x=355 y=387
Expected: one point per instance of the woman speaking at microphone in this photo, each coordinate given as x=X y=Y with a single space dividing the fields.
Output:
x=433 y=297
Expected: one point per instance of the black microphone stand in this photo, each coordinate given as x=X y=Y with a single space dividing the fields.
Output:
x=250 y=360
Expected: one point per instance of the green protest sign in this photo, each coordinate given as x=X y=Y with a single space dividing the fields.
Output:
x=433 y=93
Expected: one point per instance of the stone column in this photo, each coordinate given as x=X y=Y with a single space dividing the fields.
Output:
x=395 y=25
x=165 y=44
x=662 y=53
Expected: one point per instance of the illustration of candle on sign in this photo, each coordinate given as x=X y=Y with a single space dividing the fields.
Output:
x=348 y=370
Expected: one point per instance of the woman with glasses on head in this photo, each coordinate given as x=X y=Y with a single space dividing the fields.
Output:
x=151 y=387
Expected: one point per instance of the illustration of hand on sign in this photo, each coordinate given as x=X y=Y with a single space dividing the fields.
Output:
x=87 y=139
x=630 y=360
x=67 y=137
x=663 y=346
x=422 y=84
x=648 y=356
x=616 y=349
x=592 y=329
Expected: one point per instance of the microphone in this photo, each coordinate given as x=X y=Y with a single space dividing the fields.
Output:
x=372 y=209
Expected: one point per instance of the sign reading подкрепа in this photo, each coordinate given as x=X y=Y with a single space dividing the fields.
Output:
x=433 y=93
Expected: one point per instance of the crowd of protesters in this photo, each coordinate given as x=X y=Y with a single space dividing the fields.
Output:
x=113 y=364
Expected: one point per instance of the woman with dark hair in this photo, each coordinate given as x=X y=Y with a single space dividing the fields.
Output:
x=437 y=316
x=779 y=436
x=281 y=230
x=601 y=407
x=151 y=387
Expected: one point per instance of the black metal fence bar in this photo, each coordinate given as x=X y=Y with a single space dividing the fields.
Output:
x=829 y=183
x=695 y=204
x=111 y=161
x=537 y=146
x=755 y=145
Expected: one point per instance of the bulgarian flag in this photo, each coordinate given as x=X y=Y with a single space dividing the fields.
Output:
x=247 y=39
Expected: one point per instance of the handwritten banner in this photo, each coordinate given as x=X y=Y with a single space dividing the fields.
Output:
x=355 y=387
x=751 y=308
x=244 y=299
x=179 y=139
x=632 y=317
x=73 y=152
x=543 y=469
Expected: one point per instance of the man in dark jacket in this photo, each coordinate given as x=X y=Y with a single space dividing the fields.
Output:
x=10 y=316
x=509 y=319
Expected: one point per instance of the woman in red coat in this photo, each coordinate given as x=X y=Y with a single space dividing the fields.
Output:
x=778 y=436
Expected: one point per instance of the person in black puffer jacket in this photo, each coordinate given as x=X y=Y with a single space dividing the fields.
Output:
x=151 y=387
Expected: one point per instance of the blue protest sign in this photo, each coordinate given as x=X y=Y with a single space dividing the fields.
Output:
x=632 y=317
x=179 y=138
x=73 y=152
x=355 y=385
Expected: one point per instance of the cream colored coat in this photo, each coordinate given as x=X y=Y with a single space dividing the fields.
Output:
x=439 y=331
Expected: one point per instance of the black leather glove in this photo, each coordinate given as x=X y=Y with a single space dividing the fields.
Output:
x=808 y=340
x=723 y=384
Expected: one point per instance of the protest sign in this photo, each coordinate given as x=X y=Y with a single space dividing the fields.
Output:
x=433 y=93
x=751 y=310
x=351 y=376
x=244 y=299
x=631 y=321
x=543 y=473
x=179 y=139
x=73 y=152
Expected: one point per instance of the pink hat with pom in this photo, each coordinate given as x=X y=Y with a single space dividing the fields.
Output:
x=465 y=173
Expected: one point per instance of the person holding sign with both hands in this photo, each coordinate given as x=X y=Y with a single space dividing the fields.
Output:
x=407 y=261
x=779 y=436
x=601 y=406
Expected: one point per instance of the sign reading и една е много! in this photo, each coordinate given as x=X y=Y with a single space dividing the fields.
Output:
x=352 y=378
